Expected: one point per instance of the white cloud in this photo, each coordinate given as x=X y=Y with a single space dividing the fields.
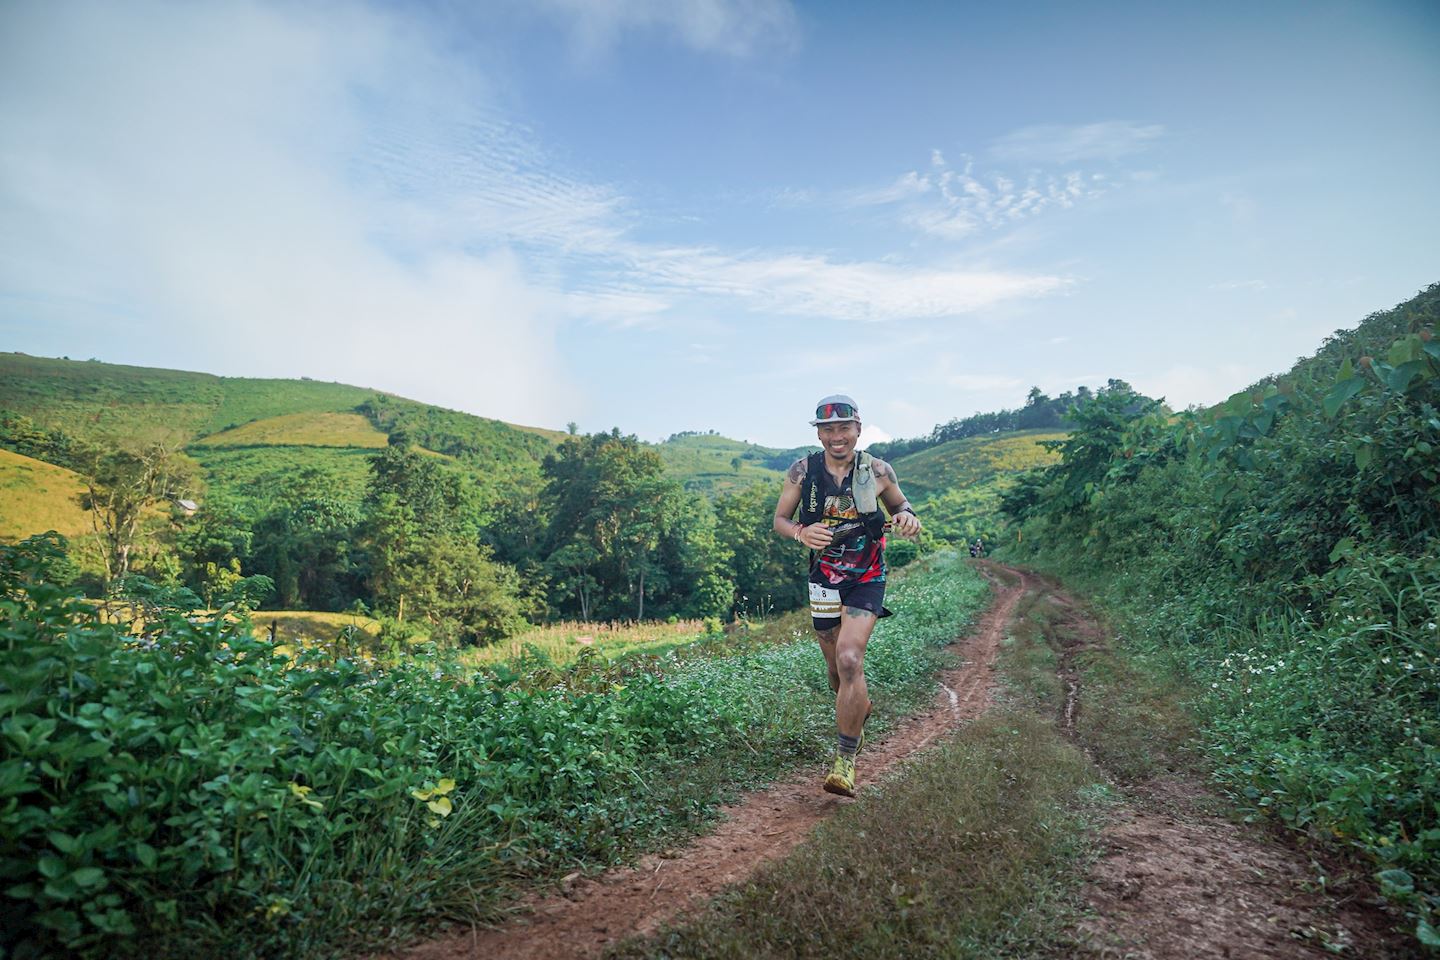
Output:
x=1228 y=285
x=814 y=285
x=286 y=191
x=907 y=185
x=1058 y=144
x=952 y=203
x=872 y=434
x=203 y=174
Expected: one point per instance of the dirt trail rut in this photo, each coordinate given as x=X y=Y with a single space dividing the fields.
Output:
x=1174 y=880
x=593 y=912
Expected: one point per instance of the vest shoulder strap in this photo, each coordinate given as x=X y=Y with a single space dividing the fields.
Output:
x=862 y=488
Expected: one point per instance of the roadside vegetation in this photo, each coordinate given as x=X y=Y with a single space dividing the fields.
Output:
x=185 y=789
x=1282 y=549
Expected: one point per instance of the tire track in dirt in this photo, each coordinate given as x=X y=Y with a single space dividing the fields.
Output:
x=1175 y=880
x=591 y=913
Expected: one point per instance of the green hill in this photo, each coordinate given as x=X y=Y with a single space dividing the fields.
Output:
x=36 y=496
x=712 y=464
x=254 y=438
x=257 y=438
x=323 y=429
x=956 y=486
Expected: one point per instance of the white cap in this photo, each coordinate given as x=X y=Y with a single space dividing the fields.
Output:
x=823 y=415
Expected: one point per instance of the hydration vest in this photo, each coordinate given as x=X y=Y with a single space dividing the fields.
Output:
x=862 y=489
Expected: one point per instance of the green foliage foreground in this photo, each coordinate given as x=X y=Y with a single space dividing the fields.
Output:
x=1283 y=547
x=187 y=790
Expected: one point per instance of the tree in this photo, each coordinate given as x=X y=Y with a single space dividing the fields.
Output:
x=122 y=485
x=217 y=538
x=425 y=561
x=606 y=496
x=306 y=545
x=764 y=569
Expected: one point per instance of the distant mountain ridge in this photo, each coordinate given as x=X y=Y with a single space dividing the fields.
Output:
x=255 y=438
x=89 y=398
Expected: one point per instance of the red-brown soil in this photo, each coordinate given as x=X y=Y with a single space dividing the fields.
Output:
x=593 y=912
x=1175 y=881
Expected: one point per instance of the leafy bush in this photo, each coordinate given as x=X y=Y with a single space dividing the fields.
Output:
x=188 y=790
x=1284 y=544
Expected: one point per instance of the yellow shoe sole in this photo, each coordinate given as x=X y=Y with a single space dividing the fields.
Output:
x=838 y=787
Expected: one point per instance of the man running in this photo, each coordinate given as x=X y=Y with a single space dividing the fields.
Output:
x=838 y=493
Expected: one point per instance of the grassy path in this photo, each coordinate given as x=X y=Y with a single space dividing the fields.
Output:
x=1044 y=805
x=592 y=913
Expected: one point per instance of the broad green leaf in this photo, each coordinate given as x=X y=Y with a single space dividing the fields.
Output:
x=63 y=842
x=1432 y=349
x=1399 y=879
x=1363 y=455
x=145 y=854
x=1343 y=391
x=1399 y=378
x=1427 y=934
x=1401 y=351
x=88 y=876
x=1344 y=548
x=1347 y=370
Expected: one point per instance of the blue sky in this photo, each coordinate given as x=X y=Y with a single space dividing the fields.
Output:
x=671 y=216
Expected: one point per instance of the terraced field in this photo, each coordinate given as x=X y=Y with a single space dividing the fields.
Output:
x=313 y=429
x=36 y=496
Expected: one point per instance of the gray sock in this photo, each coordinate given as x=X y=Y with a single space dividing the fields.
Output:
x=848 y=746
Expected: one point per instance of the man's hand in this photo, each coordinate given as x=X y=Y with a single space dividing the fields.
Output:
x=906 y=524
x=816 y=536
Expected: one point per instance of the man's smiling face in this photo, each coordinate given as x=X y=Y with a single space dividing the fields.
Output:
x=839 y=439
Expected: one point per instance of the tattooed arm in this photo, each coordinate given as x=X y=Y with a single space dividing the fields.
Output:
x=815 y=536
x=902 y=515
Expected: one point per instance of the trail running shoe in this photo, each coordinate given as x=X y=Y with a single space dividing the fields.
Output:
x=842 y=778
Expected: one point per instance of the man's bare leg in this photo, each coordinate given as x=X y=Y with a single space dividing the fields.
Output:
x=852 y=700
x=826 y=639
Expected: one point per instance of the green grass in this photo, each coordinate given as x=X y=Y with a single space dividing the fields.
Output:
x=117 y=403
x=287 y=808
x=244 y=399
x=313 y=429
x=956 y=486
x=294 y=628
x=36 y=496
x=255 y=476
x=959 y=857
x=972 y=461
x=978 y=848
x=706 y=463
x=563 y=643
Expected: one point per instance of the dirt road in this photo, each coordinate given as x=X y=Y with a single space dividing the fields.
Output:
x=1175 y=879
x=593 y=912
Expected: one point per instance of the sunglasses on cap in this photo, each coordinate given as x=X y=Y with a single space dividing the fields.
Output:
x=836 y=411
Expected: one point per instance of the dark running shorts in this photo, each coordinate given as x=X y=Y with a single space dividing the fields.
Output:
x=826 y=601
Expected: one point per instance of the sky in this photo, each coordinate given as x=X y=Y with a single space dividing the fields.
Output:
x=664 y=216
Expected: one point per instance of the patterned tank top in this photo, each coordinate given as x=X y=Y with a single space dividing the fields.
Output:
x=854 y=557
